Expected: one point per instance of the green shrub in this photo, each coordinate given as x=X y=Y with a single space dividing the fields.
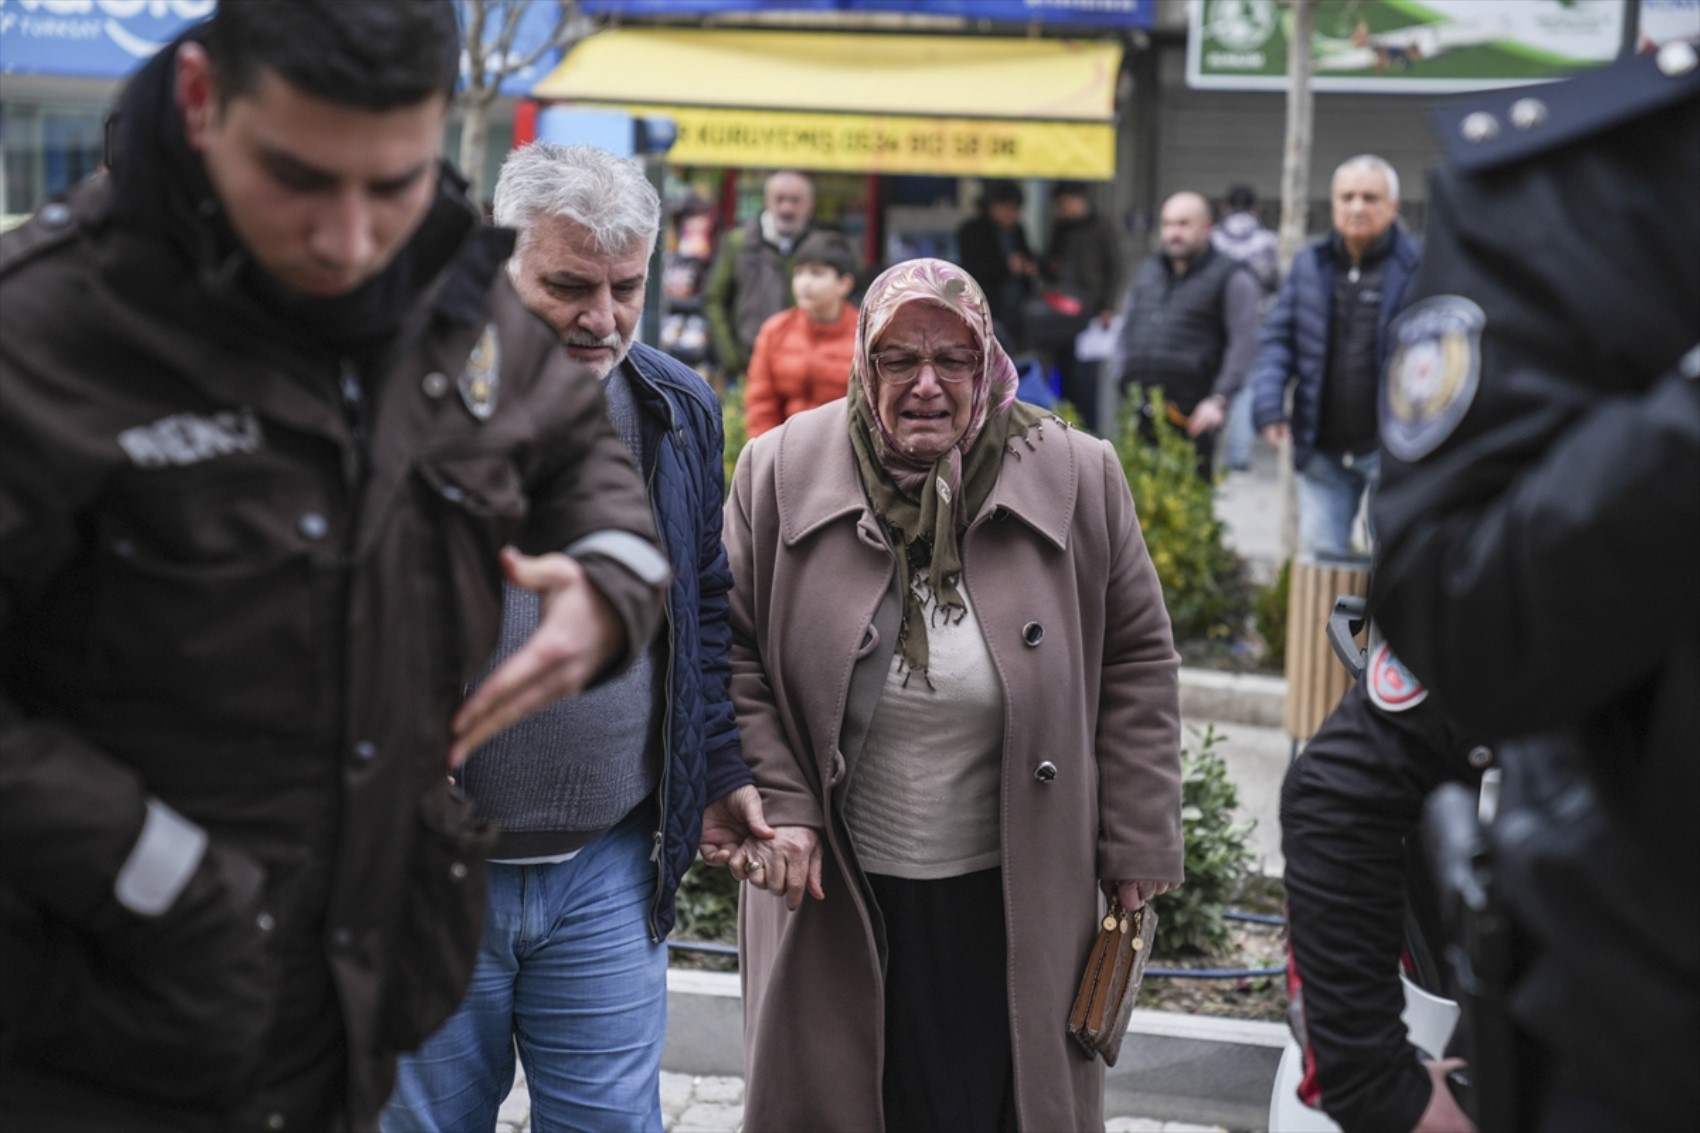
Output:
x=737 y=436
x=708 y=905
x=1218 y=855
x=1203 y=581
x=1269 y=610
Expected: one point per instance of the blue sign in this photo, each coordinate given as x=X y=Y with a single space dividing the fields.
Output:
x=108 y=39
x=1079 y=13
x=101 y=39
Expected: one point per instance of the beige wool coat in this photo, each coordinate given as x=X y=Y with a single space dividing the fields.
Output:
x=1073 y=617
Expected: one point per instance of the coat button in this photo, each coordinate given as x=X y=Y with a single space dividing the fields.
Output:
x=275 y=1122
x=265 y=922
x=55 y=215
x=457 y=871
x=342 y=938
x=435 y=385
x=312 y=526
x=1046 y=772
x=1032 y=633
x=1480 y=756
x=363 y=752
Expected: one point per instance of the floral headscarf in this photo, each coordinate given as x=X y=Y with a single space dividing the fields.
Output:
x=925 y=507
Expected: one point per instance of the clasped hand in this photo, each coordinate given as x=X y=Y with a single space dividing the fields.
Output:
x=784 y=860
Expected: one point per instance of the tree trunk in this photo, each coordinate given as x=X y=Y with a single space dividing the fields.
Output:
x=1295 y=162
x=474 y=132
x=1295 y=206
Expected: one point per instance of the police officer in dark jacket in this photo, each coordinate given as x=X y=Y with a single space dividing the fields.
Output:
x=1540 y=512
x=271 y=412
x=1357 y=895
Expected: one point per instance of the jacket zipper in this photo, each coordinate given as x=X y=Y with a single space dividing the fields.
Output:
x=655 y=853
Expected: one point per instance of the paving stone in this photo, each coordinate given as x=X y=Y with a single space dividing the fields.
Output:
x=706 y=1117
x=676 y=1091
x=720 y=1091
x=1133 y=1125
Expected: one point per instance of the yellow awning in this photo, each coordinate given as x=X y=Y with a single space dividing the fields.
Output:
x=946 y=105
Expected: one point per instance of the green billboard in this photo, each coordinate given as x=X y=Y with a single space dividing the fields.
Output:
x=1412 y=46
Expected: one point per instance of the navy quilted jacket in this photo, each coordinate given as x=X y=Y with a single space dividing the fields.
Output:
x=686 y=479
x=1294 y=343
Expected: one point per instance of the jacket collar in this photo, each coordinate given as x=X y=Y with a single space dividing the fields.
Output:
x=815 y=469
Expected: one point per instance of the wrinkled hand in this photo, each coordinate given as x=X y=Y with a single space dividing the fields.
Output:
x=576 y=636
x=1442 y=1114
x=789 y=864
x=730 y=821
x=1278 y=434
x=1134 y=894
x=1209 y=414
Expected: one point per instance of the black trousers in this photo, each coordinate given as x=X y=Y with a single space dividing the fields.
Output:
x=947 y=1048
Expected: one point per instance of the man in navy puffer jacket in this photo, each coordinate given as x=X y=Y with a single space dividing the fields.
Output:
x=600 y=798
x=1327 y=337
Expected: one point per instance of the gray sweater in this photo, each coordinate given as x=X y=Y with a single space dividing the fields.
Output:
x=558 y=779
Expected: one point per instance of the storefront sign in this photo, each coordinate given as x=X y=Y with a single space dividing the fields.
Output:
x=1415 y=46
x=1084 y=13
x=946 y=147
x=101 y=39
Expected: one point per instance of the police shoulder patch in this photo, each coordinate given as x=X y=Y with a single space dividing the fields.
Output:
x=1391 y=685
x=481 y=379
x=1432 y=375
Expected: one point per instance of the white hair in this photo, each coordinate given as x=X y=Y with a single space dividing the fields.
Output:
x=1373 y=164
x=609 y=196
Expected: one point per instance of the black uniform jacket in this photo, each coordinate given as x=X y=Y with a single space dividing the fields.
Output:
x=249 y=579
x=1539 y=518
x=1350 y=808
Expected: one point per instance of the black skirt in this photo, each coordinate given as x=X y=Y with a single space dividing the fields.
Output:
x=947 y=1047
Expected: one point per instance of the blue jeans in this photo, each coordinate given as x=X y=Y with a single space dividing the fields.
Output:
x=1330 y=489
x=568 y=971
x=1238 y=432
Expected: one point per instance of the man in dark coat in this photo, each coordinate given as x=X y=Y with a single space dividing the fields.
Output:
x=273 y=415
x=1083 y=260
x=750 y=281
x=992 y=247
x=1327 y=340
x=1191 y=325
x=1540 y=518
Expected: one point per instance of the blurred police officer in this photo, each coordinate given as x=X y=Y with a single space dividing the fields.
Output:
x=272 y=409
x=1541 y=516
x=1358 y=899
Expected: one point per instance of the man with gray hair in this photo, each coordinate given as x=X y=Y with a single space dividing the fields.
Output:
x=600 y=799
x=1327 y=338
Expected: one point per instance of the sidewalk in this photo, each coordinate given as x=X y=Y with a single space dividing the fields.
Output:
x=709 y=1104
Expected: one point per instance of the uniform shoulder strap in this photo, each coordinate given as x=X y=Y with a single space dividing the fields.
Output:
x=1511 y=125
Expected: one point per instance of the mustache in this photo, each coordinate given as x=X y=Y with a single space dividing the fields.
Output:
x=579 y=338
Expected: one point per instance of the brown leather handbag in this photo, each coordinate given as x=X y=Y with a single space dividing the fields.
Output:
x=1107 y=990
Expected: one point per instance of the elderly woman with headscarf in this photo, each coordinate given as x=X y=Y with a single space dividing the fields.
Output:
x=957 y=690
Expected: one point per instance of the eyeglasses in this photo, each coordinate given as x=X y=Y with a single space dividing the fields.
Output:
x=900 y=367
